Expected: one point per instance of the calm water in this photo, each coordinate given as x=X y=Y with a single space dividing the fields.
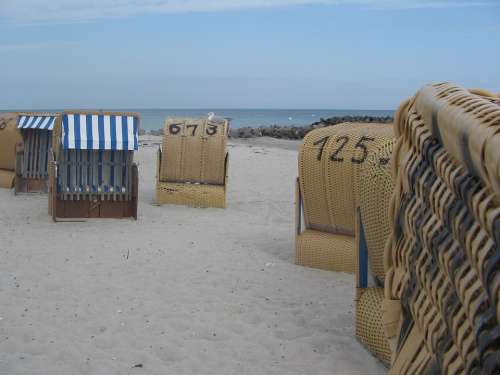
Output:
x=152 y=119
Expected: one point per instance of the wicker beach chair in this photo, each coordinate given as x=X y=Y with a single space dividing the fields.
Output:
x=92 y=174
x=373 y=227
x=192 y=164
x=442 y=286
x=10 y=138
x=329 y=158
x=32 y=155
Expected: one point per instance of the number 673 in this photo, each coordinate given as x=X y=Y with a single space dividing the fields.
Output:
x=175 y=129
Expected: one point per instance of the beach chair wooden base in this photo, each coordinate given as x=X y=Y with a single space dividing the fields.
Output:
x=92 y=206
x=30 y=185
x=74 y=209
x=193 y=195
x=7 y=179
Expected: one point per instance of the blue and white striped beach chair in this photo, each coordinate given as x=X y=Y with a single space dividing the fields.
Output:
x=94 y=173
x=32 y=155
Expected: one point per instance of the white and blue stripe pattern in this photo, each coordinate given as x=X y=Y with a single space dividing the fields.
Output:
x=36 y=122
x=100 y=132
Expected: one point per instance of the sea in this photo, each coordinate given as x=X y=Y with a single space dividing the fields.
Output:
x=153 y=119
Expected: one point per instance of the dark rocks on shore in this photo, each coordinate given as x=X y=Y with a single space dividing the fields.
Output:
x=295 y=132
x=158 y=132
x=299 y=132
x=275 y=131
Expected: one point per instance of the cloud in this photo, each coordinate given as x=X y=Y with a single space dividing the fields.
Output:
x=28 y=11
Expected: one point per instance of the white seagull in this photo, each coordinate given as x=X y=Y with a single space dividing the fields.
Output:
x=213 y=118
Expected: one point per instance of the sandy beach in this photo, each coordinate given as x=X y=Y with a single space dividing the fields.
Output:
x=180 y=290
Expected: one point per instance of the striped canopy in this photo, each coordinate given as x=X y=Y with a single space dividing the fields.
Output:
x=36 y=122
x=100 y=132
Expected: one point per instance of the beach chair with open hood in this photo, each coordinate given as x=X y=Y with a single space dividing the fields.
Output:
x=93 y=174
x=329 y=160
x=10 y=138
x=193 y=163
x=32 y=155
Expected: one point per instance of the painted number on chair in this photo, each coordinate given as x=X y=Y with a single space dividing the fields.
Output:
x=191 y=129
x=341 y=142
x=174 y=129
x=361 y=144
x=194 y=127
x=211 y=130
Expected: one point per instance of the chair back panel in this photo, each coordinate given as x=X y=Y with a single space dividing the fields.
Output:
x=194 y=150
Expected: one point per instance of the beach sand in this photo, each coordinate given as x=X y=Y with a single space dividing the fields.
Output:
x=181 y=290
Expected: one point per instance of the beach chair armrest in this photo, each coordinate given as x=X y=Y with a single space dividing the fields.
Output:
x=19 y=147
x=158 y=164
x=361 y=255
x=226 y=168
x=298 y=208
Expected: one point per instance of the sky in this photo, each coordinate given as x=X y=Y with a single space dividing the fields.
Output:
x=331 y=54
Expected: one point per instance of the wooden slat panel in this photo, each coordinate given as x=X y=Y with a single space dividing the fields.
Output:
x=85 y=181
x=72 y=171
x=24 y=169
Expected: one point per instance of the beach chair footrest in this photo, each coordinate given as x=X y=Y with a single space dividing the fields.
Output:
x=369 y=326
x=31 y=185
x=72 y=209
x=7 y=179
x=194 y=195
x=327 y=251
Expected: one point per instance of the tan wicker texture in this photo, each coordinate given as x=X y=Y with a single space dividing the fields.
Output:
x=192 y=165
x=333 y=252
x=369 y=328
x=329 y=160
x=375 y=187
x=194 y=150
x=444 y=255
x=7 y=179
x=194 y=195
x=9 y=138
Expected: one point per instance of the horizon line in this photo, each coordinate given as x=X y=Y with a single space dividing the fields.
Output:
x=193 y=109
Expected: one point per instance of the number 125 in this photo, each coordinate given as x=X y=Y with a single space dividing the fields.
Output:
x=341 y=142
